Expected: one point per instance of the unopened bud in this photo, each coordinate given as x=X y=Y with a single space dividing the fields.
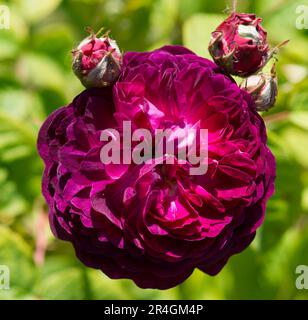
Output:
x=239 y=45
x=97 y=61
x=263 y=88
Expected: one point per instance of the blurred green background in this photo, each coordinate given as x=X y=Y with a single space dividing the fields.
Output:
x=36 y=78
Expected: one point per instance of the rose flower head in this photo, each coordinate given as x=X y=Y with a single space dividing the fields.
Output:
x=155 y=223
x=97 y=61
x=239 y=44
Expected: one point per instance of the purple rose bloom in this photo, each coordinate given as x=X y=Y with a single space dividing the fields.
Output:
x=155 y=223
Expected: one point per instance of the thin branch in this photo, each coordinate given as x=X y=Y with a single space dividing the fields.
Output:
x=234 y=4
x=41 y=240
x=276 y=117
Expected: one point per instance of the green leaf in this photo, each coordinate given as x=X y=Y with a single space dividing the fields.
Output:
x=296 y=143
x=162 y=28
x=64 y=284
x=104 y=288
x=18 y=31
x=56 y=40
x=300 y=118
x=36 y=10
x=305 y=199
x=27 y=105
x=8 y=48
x=197 y=32
x=201 y=282
x=282 y=261
x=8 y=208
x=17 y=255
x=40 y=71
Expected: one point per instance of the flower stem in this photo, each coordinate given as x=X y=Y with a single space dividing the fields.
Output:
x=276 y=117
x=234 y=4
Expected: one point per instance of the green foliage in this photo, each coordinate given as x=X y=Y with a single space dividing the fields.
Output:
x=197 y=32
x=36 y=78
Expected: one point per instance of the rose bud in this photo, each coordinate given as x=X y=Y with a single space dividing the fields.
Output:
x=239 y=45
x=263 y=88
x=97 y=61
